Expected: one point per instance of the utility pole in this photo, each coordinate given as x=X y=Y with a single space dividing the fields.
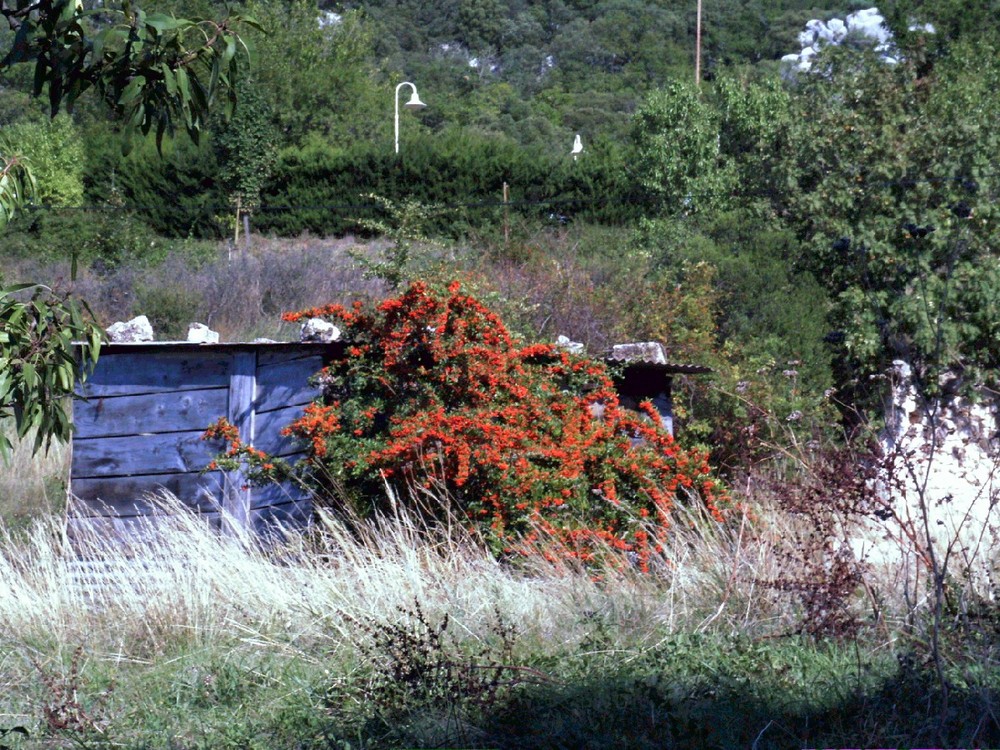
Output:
x=697 y=48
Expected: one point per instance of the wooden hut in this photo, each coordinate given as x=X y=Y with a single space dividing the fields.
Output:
x=646 y=374
x=143 y=411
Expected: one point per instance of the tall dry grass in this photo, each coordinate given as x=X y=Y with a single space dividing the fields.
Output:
x=177 y=580
x=184 y=627
x=32 y=484
x=179 y=598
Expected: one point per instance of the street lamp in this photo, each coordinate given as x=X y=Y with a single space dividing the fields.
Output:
x=414 y=103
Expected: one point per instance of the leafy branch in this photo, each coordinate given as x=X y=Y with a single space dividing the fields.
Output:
x=38 y=360
x=153 y=70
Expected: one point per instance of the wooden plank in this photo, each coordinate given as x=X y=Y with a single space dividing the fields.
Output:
x=103 y=416
x=269 y=427
x=110 y=497
x=125 y=373
x=290 y=516
x=172 y=453
x=242 y=391
x=287 y=384
x=126 y=528
x=310 y=362
x=268 y=356
x=128 y=496
x=278 y=494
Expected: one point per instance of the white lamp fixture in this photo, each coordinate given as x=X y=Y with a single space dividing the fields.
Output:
x=577 y=147
x=413 y=104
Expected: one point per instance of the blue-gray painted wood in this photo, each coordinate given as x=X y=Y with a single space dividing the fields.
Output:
x=286 y=384
x=168 y=453
x=269 y=428
x=242 y=391
x=128 y=373
x=136 y=495
x=140 y=429
x=142 y=414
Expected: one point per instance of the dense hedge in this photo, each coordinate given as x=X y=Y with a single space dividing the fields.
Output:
x=177 y=194
x=321 y=188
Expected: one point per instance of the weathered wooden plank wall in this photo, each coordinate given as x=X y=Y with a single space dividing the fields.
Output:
x=143 y=412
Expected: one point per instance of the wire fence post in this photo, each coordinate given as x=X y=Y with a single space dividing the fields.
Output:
x=506 y=216
x=236 y=230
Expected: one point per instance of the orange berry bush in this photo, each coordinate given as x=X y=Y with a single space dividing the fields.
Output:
x=528 y=445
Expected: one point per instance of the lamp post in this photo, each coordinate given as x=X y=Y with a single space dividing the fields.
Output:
x=414 y=104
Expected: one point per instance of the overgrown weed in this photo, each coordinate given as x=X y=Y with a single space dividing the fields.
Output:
x=394 y=632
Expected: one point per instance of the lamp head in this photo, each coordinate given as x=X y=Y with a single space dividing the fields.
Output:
x=415 y=102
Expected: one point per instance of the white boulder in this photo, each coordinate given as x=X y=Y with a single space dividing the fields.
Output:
x=573 y=347
x=317 y=330
x=131 y=331
x=198 y=333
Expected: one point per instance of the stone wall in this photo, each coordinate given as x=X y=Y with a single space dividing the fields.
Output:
x=943 y=480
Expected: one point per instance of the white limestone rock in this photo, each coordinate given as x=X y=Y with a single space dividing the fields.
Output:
x=317 y=330
x=573 y=347
x=199 y=333
x=870 y=23
x=867 y=25
x=132 y=331
x=649 y=352
x=945 y=478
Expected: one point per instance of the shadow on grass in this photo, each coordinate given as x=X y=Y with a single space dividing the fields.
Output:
x=896 y=703
x=629 y=713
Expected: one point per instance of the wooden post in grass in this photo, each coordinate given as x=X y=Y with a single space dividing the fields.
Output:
x=697 y=47
x=236 y=232
x=246 y=231
x=506 y=216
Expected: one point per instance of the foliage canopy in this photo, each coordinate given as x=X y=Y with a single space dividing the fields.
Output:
x=528 y=445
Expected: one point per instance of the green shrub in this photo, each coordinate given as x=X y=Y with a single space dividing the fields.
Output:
x=524 y=444
x=177 y=194
x=169 y=307
x=319 y=188
x=54 y=150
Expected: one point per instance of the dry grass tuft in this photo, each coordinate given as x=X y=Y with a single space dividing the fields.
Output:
x=32 y=484
x=179 y=580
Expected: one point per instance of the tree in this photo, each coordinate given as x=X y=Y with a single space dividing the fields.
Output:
x=676 y=137
x=754 y=120
x=316 y=79
x=38 y=364
x=153 y=70
x=894 y=192
x=245 y=148
x=54 y=150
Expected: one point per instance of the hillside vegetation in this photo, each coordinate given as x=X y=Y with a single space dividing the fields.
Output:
x=836 y=219
x=796 y=228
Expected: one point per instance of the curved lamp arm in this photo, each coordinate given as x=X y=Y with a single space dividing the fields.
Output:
x=414 y=103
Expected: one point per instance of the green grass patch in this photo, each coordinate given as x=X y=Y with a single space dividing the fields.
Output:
x=390 y=638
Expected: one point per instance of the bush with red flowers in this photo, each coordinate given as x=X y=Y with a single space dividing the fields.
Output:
x=527 y=445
